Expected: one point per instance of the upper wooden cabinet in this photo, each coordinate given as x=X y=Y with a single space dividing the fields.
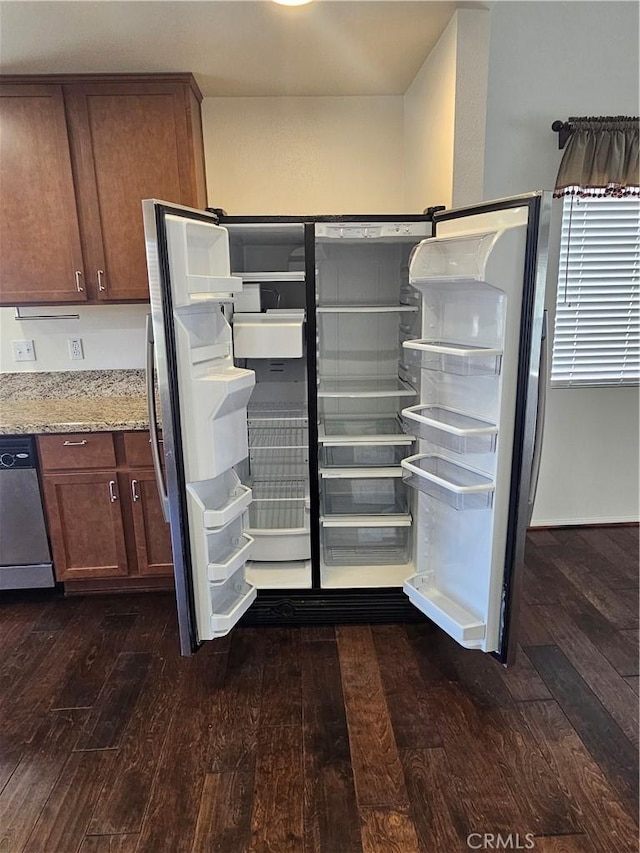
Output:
x=81 y=153
x=39 y=232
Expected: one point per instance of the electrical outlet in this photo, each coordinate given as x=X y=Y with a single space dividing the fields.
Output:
x=23 y=351
x=75 y=349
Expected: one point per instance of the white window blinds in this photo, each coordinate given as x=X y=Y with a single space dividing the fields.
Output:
x=597 y=328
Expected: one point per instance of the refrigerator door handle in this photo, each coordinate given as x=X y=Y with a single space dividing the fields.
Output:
x=153 y=421
x=540 y=414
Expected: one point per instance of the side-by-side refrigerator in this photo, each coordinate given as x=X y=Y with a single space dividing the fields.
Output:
x=346 y=414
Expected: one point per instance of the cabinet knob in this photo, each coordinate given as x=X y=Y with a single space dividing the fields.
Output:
x=101 y=284
x=79 y=286
x=112 y=491
x=134 y=491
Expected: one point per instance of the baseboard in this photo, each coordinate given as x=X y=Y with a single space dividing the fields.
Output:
x=583 y=522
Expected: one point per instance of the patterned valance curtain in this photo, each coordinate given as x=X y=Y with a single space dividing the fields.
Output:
x=601 y=158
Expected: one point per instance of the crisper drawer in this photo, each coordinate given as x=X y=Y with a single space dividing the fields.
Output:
x=367 y=542
x=373 y=491
x=365 y=455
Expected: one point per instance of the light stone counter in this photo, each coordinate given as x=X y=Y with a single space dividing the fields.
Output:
x=73 y=401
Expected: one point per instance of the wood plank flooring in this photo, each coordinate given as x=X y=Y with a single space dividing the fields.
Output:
x=353 y=739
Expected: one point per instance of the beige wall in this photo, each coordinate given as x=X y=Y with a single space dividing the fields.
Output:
x=444 y=117
x=429 y=123
x=304 y=155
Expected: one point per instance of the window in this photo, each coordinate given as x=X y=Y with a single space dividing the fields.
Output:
x=597 y=329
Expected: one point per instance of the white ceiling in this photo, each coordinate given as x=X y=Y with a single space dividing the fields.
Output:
x=234 y=47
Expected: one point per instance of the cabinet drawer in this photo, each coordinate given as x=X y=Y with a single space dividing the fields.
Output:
x=137 y=449
x=76 y=451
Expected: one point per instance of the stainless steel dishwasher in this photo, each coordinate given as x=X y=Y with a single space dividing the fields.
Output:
x=25 y=558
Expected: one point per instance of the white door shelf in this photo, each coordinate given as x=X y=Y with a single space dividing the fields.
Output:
x=450 y=428
x=222 y=571
x=364 y=386
x=461 y=359
x=220 y=500
x=446 y=481
x=459 y=259
x=367 y=309
x=465 y=627
x=273 y=334
x=228 y=548
x=229 y=602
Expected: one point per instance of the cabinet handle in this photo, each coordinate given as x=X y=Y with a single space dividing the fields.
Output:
x=79 y=287
x=112 y=491
x=134 y=491
x=101 y=285
x=74 y=443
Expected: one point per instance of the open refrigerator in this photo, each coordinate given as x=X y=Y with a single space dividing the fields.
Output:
x=351 y=412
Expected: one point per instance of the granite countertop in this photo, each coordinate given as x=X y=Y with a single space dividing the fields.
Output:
x=73 y=401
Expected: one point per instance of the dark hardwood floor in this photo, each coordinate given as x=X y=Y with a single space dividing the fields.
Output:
x=382 y=739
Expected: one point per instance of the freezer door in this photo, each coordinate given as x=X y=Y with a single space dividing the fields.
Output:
x=482 y=279
x=202 y=403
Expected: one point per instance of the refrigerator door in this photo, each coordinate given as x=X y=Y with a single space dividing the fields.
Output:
x=202 y=400
x=482 y=279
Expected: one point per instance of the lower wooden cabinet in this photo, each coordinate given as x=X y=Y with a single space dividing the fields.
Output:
x=152 y=535
x=106 y=526
x=85 y=525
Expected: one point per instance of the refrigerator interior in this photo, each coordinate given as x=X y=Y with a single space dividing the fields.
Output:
x=366 y=309
x=269 y=330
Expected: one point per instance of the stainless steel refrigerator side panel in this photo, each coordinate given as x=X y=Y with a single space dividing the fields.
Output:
x=179 y=535
x=533 y=430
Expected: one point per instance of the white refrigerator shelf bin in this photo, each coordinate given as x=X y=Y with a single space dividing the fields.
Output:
x=228 y=603
x=451 y=259
x=461 y=359
x=228 y=548
x=463 y=625
x=450 y=428
x=448 y=482
x=280 y=529
x=276 y=333
x=363 y=491
x=366 y=540
x=364 y=386
x=221 y=499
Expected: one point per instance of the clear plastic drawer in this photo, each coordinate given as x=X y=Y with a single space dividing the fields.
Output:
x=367 y=544
x=364 y=492
x=363 y=455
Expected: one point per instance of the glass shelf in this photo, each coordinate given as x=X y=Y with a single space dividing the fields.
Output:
x=461 y=359
x=366 y=309
x=352 y=429
x=364 y=386
x=450 y=429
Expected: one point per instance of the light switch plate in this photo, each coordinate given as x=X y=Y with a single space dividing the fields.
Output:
x=23 y=351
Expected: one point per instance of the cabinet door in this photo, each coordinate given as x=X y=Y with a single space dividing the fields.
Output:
x=131 y=141
x=152 y=533
x=85 y=525
x=39 y=233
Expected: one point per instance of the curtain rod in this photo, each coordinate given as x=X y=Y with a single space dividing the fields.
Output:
x=564 y=129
